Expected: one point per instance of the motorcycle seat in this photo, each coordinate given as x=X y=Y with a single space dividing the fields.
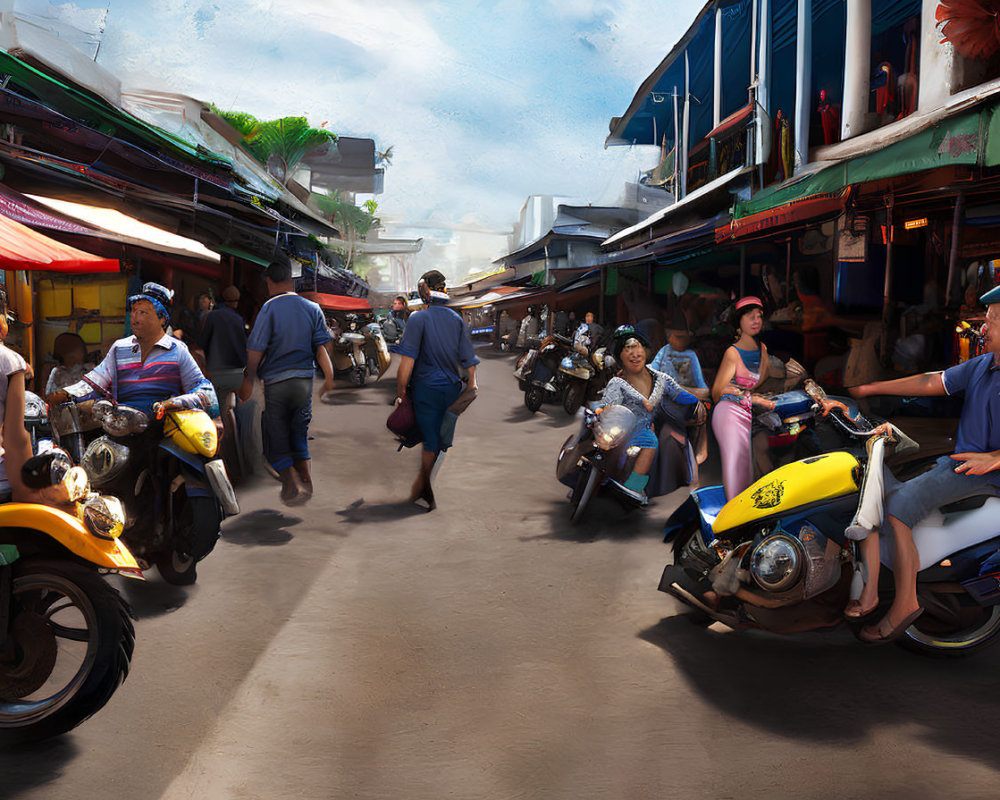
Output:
x=968 y=504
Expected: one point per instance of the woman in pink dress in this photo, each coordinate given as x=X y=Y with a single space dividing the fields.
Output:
x=743 y=368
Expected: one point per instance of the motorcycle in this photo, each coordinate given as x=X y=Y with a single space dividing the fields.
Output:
x=175 y=489
x=538 y=374
x=66 y=635
x=347 y=350
x=585 y=377
x=36 y=421
x=392 y=329
x=376 y=350
x=597 y=457
x=783 y=556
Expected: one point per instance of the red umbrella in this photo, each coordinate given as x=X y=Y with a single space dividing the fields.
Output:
x=972 y=26
x=23 y=248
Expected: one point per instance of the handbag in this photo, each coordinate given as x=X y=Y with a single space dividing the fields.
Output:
x=403 y=422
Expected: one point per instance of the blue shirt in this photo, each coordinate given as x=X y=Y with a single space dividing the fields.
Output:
x=287 y=331
x=168 y=372
x=979 y=378
x=438 y=342
x=681 y=365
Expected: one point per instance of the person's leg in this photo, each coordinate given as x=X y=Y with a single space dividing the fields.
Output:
x=277 y=441
x=869 y=594
x=429 y=406
x=299 y=419
x=731 y=426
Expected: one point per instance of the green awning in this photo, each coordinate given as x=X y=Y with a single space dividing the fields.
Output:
x=958 y=140
x=97 y=113
x=245 y=255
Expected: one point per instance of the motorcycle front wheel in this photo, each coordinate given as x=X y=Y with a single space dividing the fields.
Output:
x=359 y=376
x=582 y=492
x=929 y=637
x=68 y=649
x=533 y=397
x=573 y=397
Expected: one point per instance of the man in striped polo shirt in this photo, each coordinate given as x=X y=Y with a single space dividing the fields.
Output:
x=149 y=369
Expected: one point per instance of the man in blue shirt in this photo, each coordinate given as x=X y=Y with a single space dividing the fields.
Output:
x=436 y=350
x=680 y=362
x=973 y=469
x=288 y=339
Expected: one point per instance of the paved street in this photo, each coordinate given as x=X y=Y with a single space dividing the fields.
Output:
x=358 y=647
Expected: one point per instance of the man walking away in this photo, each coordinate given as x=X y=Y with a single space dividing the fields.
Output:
x=290 y=336
x=224 y=340
x=436 y=350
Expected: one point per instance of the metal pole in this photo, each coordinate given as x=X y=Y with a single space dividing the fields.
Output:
x=803 y=81
x=956 y=243
x=887 y=286
x=677 y=148
x=717 y=88
x=686 y=125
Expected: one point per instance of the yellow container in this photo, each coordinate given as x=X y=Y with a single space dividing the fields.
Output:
x=90 y=332
x=113 y=297
x=87 y=297
x=55 y=299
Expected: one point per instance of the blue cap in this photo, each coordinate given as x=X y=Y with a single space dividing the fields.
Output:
x=992 y=296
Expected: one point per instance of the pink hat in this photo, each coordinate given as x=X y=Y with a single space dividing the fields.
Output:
x=749 y=300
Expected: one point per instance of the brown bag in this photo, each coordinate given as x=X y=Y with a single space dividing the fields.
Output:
x=464 y=400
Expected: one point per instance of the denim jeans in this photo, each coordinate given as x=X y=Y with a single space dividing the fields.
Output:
x=285 y=423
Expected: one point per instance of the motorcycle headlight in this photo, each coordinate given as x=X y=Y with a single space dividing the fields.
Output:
x=776 y=563
x=124 y=420
x=566 y=363
x=613 y=426
x=104 y=460
x=104 y=516
x=76 y=483
x=35 y=407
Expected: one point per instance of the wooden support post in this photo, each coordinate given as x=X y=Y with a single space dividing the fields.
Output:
x=887 y=285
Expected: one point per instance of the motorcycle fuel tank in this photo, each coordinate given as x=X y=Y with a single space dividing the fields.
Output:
x=811 y=480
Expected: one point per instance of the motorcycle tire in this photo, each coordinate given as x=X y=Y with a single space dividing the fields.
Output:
x=358 y=376
x=582 y=493
x=176 y=568
x=533 y=397
x=573 y=397
x=921 y=637
x=40 y=589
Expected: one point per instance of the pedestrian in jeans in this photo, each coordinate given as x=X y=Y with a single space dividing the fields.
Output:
x=288 y=339
x=436 y=350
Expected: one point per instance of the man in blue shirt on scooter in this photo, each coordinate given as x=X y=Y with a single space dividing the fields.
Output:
x=972 y=470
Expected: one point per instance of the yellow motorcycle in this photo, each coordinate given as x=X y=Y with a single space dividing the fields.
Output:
x=66 y=635
x=175 y=490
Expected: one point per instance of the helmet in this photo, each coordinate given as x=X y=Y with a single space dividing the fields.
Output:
x=160 y=296
x=623 y=335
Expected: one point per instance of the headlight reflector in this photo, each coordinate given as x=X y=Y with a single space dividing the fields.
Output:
x=776 y=563
x=104 y=516
x=104 y=460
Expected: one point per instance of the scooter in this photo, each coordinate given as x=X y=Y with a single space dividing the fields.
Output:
x=597 y=457
x=377 y=354
x=538 y=374
x=36 y=421
x=175 y=489
x=347 y=351
x=783 y=556
x=66 y=635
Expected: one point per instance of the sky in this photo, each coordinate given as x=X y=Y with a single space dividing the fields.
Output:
x=484 y=103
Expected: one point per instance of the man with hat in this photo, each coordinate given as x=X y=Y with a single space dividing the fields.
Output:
x=147 y=370
x=973 y=469
x=437 y=356
x=224 y=340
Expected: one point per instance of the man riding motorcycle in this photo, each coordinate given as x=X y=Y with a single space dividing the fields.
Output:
x=973 y=469
x=154 y=373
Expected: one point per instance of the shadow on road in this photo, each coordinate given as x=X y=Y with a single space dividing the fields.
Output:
x=604 y=518
x=27 y=767
x=154 y=597
x=360 y=512
x=263 y=527
x=828 y=687
x=553 y=415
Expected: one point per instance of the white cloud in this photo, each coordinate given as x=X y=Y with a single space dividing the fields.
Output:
x=483 y=103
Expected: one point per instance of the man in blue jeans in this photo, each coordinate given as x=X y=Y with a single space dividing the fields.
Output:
x=436 y=356
x=289 y=337
x=973 y=469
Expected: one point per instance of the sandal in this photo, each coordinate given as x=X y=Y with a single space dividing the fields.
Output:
x=873 y=634
x=854 y=611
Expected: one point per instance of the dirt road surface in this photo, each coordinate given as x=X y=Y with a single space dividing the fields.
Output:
x=361 y=648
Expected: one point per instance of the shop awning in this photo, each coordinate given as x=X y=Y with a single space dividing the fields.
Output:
x=337 y=302
x=23 y=248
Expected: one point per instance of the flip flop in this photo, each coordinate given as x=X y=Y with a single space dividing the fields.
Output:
x=854 y=612
x=872 y=633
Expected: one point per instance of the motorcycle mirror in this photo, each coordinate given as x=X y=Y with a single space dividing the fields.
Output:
x=814 y=390
x=38 y=471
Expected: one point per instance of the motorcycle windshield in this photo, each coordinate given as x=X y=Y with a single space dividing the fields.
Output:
x=801 y=483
